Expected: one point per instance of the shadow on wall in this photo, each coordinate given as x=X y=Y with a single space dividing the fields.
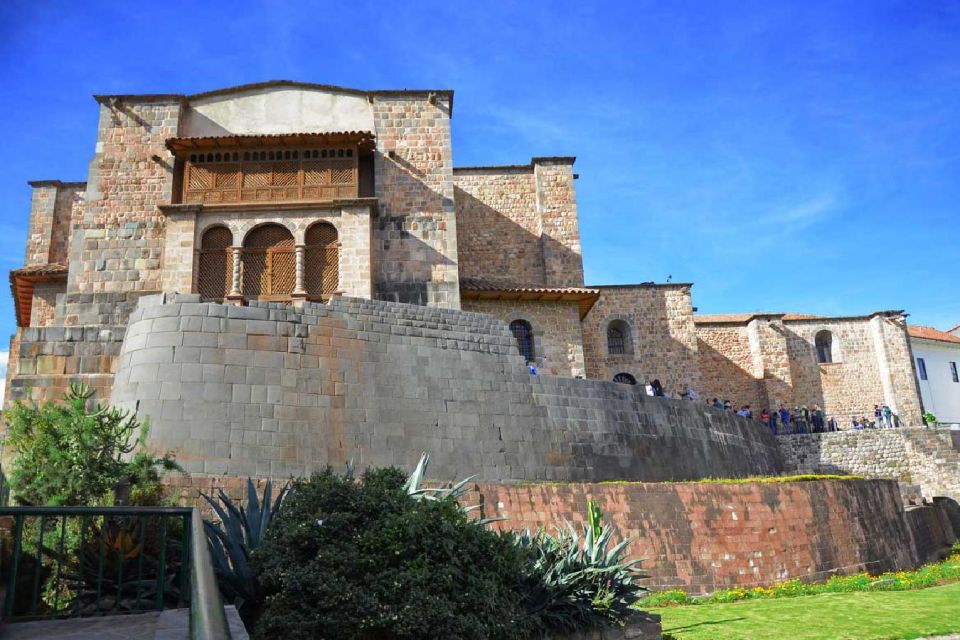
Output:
x=409 y=246
x=495 y=248
x=651 y=352
x=724 y=379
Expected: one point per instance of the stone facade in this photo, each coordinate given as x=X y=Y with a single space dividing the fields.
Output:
x=518 y=224
x=504 y=239
x=416 y=233
x=661 y=340
x=557 y=337
x=768 y=360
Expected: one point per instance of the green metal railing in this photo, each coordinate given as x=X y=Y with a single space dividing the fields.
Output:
x=4 y=489
x=94 y=561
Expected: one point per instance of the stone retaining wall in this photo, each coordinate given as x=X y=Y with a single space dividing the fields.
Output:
x=49 y=359
x=268 y=390
x=924 y=461
x=706 y=536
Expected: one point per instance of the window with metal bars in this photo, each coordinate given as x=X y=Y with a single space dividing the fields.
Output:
x=618 y=341
x=523 y=333
x=824 y=345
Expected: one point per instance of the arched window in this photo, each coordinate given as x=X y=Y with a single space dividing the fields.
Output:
x=824 y=344
x=624 y=378
x=321 y=261
x=269 y=262
x=214 y=264
x=523 y=333
x=618 y=338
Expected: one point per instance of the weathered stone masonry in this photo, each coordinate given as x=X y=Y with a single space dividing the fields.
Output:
x=267 y=390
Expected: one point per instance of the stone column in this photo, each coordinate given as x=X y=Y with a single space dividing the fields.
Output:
x=236 y=294
x=299 y=292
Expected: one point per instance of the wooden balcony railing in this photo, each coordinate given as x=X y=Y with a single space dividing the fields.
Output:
x=265 y=175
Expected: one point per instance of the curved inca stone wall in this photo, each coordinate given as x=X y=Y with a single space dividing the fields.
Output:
x=268 y=390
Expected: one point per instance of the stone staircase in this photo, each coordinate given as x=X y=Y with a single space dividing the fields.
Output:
x=934 y=462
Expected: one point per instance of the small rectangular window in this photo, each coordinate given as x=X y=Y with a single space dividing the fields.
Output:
x=922 y=368
x=953 y=372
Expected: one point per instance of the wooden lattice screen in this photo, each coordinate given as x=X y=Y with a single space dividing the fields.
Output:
x=215 y=264
x=271 y=175
x=269 y=263
x=321 y=261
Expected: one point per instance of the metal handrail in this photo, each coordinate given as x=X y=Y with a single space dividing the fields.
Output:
x=207 y=618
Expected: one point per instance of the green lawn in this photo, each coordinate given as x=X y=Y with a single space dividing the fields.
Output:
x=887 y=615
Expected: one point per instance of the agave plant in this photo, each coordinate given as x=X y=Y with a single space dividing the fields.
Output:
x=415 y=489
x=572 y=586
x=231 y=540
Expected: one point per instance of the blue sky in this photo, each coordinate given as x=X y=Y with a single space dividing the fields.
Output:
x=783 y=156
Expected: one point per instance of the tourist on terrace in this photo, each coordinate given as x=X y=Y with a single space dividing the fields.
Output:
x=773 y=421
x=717 y=404
x=743 y=412
x=887 y=416
x=817 y=417
x=728 y=405
x=532 y=366
x=785 y=418
x=657 y=387
x=878 y=415
x=765 y=418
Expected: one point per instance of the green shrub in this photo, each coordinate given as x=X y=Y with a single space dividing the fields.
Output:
x=66 y=454
x=348 y=559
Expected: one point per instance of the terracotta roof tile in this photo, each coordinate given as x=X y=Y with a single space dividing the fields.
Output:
x=929 y=333
x=479 y=284
x=41 y=270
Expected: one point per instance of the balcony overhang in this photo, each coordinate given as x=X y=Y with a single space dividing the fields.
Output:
x=474 y=289
x=364 y=140
x=22 y=282
x=371 y=204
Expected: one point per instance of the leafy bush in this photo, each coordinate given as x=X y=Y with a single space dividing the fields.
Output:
x=66 y=454
x=348 y=559
x=238 y=533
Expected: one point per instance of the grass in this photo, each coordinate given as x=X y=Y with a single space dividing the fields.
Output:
x=803 y=477
x=884 y=615
x=929 y=575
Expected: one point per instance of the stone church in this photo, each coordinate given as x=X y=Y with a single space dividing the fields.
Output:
x=296 y=193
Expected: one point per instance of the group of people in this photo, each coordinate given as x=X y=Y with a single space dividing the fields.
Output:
x=782 y=421
x=800 y=419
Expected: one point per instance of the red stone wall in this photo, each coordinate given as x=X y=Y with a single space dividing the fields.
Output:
x=706 y=536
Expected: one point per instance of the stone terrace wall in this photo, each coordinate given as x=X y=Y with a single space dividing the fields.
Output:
x=922 y=460
x=50 y=358
x=702 y=537
x=267 y=390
